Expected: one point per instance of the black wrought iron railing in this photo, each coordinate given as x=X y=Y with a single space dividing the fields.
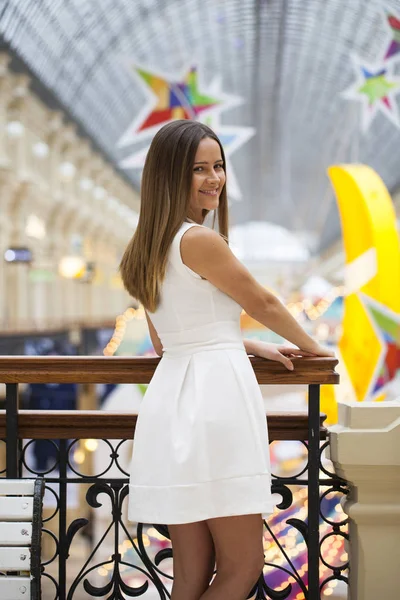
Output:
x=89 y=547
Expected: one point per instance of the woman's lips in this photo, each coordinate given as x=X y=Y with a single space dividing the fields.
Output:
x=210 y=192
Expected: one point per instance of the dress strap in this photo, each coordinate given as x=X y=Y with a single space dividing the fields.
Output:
x=175 y=256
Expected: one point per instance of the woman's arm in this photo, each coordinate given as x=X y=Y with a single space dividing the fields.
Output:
x=206 y=253
x=155 y=340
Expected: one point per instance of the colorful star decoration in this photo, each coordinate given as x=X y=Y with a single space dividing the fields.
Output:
x=176 y=100
x=169 y=98
x=386 y=324
x=376 y=88
x=183 y=98
x=394 y=45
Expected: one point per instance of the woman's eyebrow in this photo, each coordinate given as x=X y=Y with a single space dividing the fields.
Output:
x=204 y=162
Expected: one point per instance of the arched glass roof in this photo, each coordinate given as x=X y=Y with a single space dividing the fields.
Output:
x=288 y=60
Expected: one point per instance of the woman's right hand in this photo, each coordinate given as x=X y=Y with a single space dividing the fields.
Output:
x=318 y=350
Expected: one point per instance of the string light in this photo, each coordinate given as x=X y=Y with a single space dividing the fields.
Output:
x=102 y=571
x=79 y=457
x=315 y=311
x=120 y=328
x=91 y=445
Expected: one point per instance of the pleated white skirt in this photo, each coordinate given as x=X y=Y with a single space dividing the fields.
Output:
x=201 y=441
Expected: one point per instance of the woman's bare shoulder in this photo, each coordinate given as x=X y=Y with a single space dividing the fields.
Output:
x=205 y=252
x=199 y=237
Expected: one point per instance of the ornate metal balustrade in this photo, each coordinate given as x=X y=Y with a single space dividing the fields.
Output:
x=304 y=539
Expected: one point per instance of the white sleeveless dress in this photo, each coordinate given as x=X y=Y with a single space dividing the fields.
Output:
x=201 y=441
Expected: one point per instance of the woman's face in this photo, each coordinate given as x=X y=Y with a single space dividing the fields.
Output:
x=208 y=178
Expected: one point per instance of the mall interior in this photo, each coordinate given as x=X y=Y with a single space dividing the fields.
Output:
x=305 y=98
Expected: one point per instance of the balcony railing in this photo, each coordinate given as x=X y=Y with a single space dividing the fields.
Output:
x=120 y=560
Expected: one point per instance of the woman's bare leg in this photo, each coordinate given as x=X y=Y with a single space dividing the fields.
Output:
x=193 y=560
x=240 y=556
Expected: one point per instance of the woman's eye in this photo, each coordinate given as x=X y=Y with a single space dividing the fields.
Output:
x=199 y=169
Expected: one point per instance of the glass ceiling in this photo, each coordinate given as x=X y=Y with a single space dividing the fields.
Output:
x=289 y=61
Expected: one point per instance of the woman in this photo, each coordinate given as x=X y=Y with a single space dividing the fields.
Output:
x=201 y=460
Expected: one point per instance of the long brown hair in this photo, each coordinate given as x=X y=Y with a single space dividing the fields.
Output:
x=164 y=206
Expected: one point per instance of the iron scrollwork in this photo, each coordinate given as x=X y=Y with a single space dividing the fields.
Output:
x=285 y=574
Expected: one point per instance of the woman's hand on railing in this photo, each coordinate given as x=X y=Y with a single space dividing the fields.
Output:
x=318 y=350
x=277 y=352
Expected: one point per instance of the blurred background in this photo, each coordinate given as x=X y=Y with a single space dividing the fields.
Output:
x=292 y=88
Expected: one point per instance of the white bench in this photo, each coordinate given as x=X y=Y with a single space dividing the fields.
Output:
x=20 y=538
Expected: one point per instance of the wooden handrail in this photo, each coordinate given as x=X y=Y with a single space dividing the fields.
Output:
x=98 y=424
x=120 y=369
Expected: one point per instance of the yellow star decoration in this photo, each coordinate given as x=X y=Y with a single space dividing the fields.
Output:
x=372 y=252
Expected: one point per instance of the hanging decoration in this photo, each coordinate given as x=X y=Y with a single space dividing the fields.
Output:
x=167 y=99
x=182 y=97
x=376 y=86
x=370 y=345
x=386 y=324
x=394 y=29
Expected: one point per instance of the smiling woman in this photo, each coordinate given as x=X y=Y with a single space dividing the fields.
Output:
x=208 y=178
x=174 y=190
x=211 y=491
